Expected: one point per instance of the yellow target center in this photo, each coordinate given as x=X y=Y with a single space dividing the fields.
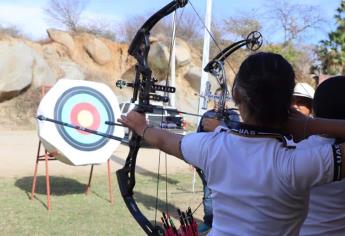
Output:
x=85 y=118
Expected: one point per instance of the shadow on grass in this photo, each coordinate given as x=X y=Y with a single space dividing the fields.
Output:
x=59 y=186
x=150 y=203
x=145 y=172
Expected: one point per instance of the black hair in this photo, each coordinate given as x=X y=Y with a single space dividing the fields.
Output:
x=265 y=83
x=329 y=98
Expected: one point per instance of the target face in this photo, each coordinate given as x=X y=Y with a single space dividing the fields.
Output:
x=85 y=104
x=88 y=108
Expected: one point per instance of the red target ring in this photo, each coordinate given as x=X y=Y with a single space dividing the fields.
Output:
x=88 y=108
x=85 y=115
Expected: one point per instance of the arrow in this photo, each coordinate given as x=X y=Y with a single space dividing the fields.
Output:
x=43 y=118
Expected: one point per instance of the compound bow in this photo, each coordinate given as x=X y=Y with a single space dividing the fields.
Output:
x=216 y=67
x=144 y=87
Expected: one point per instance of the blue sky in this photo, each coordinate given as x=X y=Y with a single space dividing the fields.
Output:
x=29 y=16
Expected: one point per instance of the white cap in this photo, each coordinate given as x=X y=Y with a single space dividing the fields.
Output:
x=304 y=90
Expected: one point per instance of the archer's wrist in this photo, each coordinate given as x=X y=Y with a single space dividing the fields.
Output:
x=143 y=131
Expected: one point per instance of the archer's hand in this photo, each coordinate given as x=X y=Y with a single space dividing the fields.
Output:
x=210 y=124
x=135 y=121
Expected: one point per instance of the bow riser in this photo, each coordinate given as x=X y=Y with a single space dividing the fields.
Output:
x=144 y=88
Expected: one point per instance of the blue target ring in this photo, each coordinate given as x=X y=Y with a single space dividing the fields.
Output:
x=88 y=97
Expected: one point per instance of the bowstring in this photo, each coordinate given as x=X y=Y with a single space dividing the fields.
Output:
x=226 y=61
x=172 y=42
x=211 y=35
x=172 y=45
x=157 y=187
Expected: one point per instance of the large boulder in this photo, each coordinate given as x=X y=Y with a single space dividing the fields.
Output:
x=20 y=65
x=159 y=56
x=16 y=62
x=71 y=70
x=62 y=37
x=98 y=51
x=193 y=76
x=41 y=72
x=183 y=53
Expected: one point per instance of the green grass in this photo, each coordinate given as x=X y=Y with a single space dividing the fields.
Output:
x=74 y=213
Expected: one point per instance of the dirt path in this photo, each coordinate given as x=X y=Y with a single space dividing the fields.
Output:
x=18 y=153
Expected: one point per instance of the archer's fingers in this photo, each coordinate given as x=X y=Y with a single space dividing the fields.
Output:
x=123 y=120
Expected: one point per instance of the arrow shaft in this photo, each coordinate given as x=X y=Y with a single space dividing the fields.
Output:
x=109 y=136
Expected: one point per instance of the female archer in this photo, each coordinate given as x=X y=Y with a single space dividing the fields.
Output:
x=259 y=186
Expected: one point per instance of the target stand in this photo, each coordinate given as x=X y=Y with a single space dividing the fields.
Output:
x=82 y=103
x=48 y=156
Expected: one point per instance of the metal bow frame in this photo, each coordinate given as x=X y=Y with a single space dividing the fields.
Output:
x=216 y=67
x=144 y=88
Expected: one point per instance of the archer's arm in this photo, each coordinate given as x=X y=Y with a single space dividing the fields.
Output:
x=161 y=139
x=301 y=126
x=334 y=128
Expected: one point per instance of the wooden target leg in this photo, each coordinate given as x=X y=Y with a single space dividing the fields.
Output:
x=89 y=183
x=46 y=157
x=109 y=181
x=35 y=172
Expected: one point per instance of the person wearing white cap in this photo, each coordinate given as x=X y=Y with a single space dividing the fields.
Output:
x=303 y=98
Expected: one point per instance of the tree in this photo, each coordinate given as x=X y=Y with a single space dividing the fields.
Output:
x=241 y=26
x=299 y=56
x=331 y=52
x=187 y=27
x=11 y=30
x=100 y=28
x=294 y=19
x=66 y=12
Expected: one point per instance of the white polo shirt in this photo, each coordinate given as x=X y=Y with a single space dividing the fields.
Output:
x=326 y=215
x=258 y=186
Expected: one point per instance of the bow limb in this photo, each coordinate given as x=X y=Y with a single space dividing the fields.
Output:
x=217 y=69
x=144 y=89
x=216 y=65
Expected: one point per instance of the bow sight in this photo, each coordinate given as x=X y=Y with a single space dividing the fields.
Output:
x=139 y=49
x=153 y=89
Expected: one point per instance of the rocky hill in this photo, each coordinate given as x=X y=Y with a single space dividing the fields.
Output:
x=26 y=66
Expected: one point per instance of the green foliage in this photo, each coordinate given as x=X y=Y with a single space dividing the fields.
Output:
x=331 y=52
x=288 y=51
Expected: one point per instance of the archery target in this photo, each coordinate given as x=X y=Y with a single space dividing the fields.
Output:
x=85 y=104
x=85 y=107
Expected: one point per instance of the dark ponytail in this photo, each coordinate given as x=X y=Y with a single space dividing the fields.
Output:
x=329 y=100
x=267 y=82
